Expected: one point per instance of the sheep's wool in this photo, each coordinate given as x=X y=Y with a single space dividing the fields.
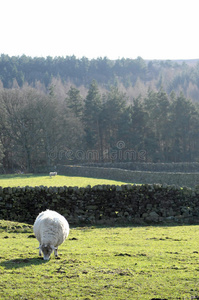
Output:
x=51 y=229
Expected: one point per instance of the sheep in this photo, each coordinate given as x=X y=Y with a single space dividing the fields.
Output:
x=52 y=174
x=51 y=229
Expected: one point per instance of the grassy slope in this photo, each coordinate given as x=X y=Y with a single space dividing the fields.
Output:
x=102 y=263
x=45 y=180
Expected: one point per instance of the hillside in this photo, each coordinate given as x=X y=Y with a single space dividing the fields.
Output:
x=132 y=76
x=74 y=111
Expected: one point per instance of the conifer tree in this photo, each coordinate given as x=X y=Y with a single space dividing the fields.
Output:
x=91 y=117
x=74 y=101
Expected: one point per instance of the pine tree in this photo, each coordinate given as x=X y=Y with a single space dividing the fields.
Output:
x=184 y=124
x=74 y=101
x=91 y=118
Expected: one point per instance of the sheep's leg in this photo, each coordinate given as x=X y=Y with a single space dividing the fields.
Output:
x=40 y=252
x=55 y=252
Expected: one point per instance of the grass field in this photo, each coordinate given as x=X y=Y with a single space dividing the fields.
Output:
x=45 y=180
x=102 y=263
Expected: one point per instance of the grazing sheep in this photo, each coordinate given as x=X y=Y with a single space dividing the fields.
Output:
x=51 y=229
x=52 y=174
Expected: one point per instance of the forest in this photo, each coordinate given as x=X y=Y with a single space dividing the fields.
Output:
x=70 y=111
x=132 y=76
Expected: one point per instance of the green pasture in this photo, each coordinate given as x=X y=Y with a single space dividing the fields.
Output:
x=102 y=263
x=45 y=180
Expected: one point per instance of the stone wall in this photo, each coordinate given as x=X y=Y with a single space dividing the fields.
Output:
x=104 y=205
x=183 y=167
x=128 y=176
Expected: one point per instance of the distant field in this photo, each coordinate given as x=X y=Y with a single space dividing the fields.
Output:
x=141 y=263
x=14 y=180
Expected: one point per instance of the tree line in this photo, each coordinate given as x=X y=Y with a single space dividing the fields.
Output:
x=130 y=74
x=79 y=71
x=39 y=130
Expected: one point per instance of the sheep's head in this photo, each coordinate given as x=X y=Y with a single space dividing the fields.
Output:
x=47 y=250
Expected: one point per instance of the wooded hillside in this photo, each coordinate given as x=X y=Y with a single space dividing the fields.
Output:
x=38 y=129
x=68 y=111
x=133 y=76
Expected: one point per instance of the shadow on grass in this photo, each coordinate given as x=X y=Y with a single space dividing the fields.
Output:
x=21 y=263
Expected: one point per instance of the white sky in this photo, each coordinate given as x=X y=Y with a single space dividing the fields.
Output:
x=152 y=29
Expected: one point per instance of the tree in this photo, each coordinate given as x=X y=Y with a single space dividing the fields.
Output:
x=157 y=106
x=28 y=128
x=17 y=127
x=113 y=108
x=137 y=126
x=91 y=118
x=184 y=124
x=74 y=101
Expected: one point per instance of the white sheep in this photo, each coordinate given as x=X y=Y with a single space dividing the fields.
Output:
x=52 y=174
x=51 y=229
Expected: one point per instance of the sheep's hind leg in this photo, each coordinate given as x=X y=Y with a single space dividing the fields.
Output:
x=55 y=252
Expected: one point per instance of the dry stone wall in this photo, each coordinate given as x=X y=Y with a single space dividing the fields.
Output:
x=182 y=167
x=104 y=205
x=138 y=177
